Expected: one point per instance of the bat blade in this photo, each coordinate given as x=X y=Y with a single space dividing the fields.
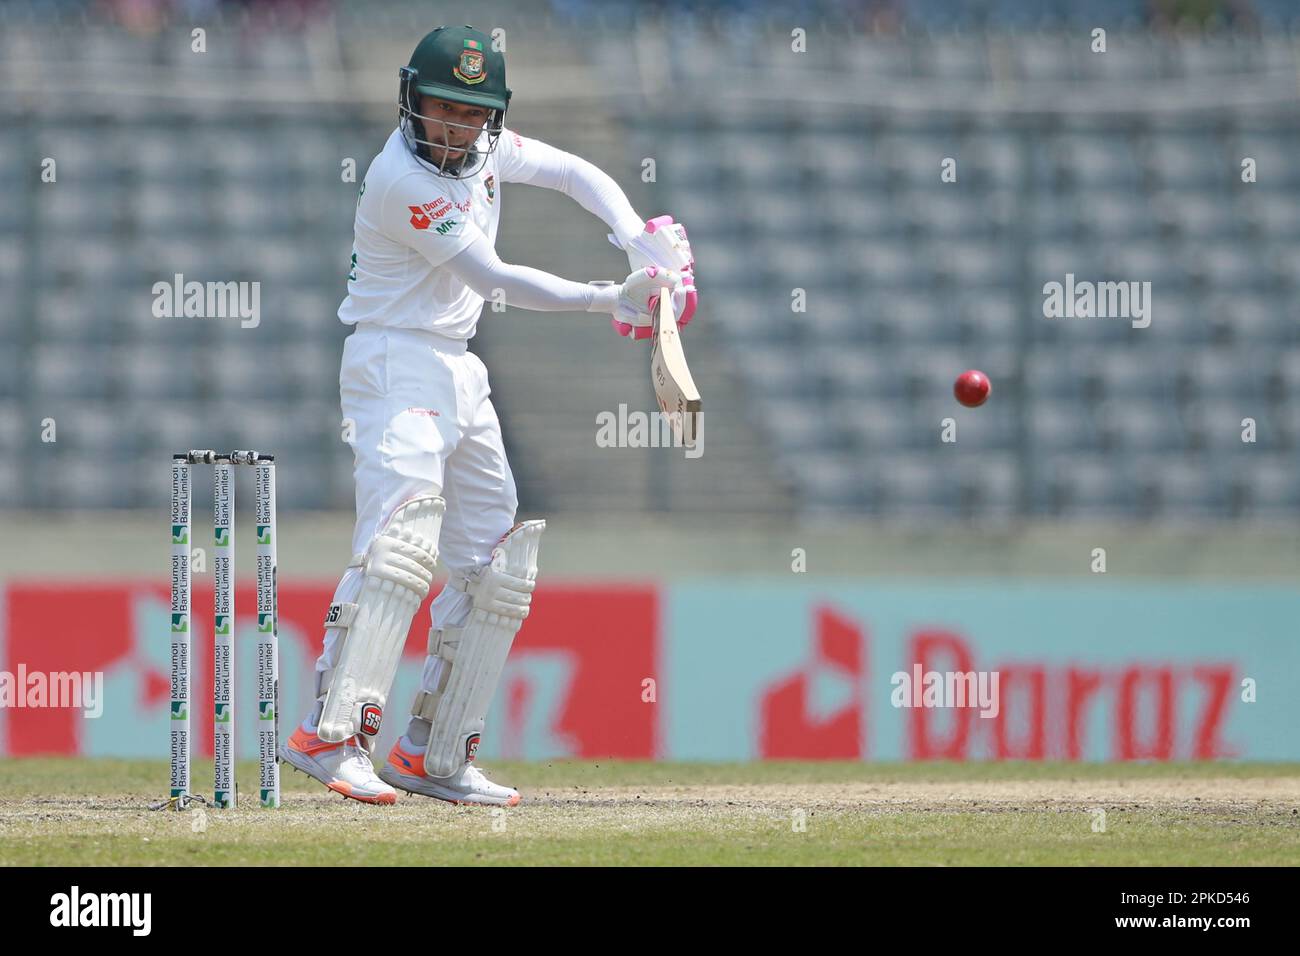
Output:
x=674 y=387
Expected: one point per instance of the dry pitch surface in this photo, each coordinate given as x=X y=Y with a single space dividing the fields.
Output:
x=94 y=812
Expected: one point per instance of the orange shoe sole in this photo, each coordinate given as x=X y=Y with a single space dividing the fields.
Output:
x=386 y=799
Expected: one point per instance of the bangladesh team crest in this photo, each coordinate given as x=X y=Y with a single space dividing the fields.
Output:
x=491 y=184
x=470 y=68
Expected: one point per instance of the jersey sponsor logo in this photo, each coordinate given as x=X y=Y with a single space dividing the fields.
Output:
x=445 y=227
x=422 y=216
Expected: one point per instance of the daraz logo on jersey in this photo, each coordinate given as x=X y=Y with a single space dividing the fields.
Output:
x=422 y=216
x=418 y=219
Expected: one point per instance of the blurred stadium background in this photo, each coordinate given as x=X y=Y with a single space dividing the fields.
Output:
x=821 y=167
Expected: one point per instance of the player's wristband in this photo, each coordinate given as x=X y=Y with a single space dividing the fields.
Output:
x=605 y=296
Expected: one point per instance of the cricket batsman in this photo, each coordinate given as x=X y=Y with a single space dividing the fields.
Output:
x=432 y=479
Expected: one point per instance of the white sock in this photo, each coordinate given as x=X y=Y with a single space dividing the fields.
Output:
x=417 y=734
x=313 y=719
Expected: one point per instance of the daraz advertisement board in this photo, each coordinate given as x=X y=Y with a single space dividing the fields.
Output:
x=725 y=670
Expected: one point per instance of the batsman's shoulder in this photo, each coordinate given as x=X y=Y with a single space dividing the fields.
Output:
x=410 y=186
x=420 y=188
x=512 y=140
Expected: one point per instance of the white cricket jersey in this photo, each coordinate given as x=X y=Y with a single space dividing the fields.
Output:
x=409 y=221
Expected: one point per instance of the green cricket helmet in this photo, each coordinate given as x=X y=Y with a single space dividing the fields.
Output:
x=460 y=65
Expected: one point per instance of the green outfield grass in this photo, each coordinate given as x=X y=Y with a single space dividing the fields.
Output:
x=94 y=812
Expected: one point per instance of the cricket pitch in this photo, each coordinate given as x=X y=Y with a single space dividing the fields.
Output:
x=79 y=812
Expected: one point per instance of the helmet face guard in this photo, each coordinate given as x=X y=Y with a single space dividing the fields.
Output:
x=443 y=160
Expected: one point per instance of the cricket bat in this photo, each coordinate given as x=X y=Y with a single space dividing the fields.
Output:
x=678 y=397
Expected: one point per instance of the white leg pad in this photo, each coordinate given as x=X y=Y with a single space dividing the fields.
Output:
x=398 y=570
x=474 y=654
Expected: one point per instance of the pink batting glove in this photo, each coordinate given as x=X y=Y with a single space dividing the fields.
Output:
x=638 y=296
x=663 y=243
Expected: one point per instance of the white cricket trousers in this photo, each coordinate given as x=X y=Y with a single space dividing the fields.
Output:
x=423 y=424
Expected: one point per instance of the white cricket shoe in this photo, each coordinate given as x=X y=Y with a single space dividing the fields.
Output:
x=345 y=768
x=405 y=771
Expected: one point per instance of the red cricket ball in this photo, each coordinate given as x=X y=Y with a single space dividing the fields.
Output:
x=972 y=388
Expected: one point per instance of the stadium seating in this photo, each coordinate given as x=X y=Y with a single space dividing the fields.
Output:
x=908 y=281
